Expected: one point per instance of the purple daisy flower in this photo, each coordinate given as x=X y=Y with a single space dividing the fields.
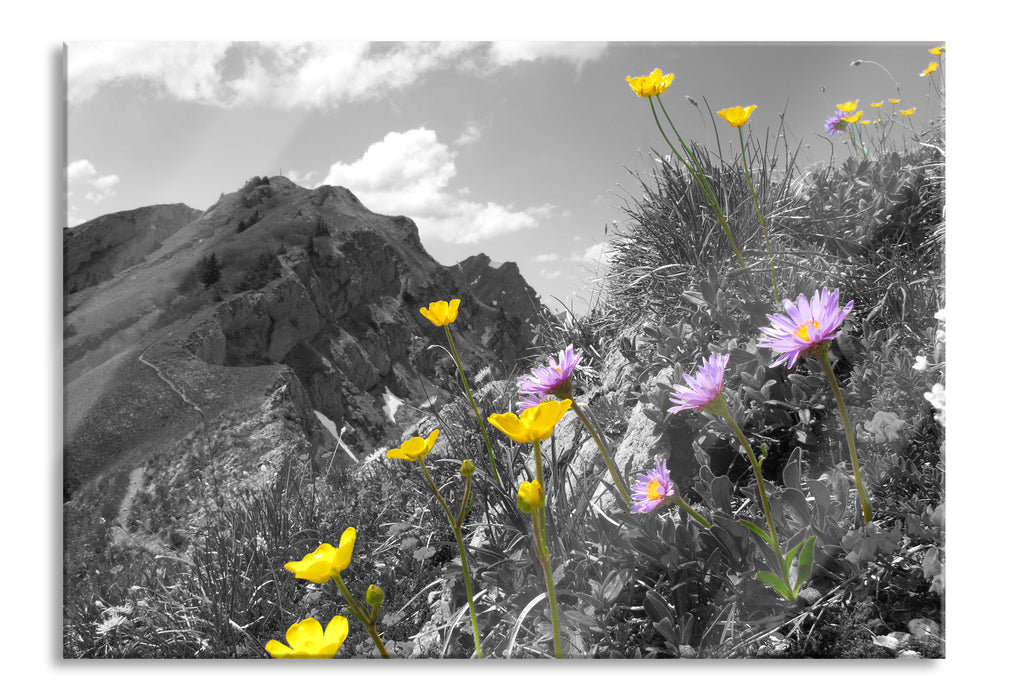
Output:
x=808 y=325
x=835 y=124
x=651 y=489
x=555 y=379
x=703 y=388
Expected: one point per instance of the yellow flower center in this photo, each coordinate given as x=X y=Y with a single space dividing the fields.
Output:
x=653 y=491
x=803 y=330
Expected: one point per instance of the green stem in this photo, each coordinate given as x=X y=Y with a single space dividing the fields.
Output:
x=457 y=530
x=479 y=418
x=614 y=474
x=675 y=498
x=863 y=495
x=698 y=178
x=358 y=612
x=767 y=238
x=705 y=185
x=543 y=554
x=723 y=411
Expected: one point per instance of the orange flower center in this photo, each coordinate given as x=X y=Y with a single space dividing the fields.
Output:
x=803 y=330
x=653 y=491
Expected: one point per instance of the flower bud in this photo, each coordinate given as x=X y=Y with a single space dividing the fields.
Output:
x=467 y=468
x=530 y=496
x=374 y=596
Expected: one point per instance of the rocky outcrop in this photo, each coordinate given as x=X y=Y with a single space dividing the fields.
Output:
x=101 y=248
x=500 y=285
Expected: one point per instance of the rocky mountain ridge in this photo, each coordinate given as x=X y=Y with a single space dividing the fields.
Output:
x=313 y=322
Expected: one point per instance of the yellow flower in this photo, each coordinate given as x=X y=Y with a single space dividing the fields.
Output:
x=530 y=496
x=441 y=313
x=413 y=449
x=877 y=104
x=864 y=121
x=651 y=85
x=536 y=423
x=853 y=118
x=319 y=566
x=938 y=50
x=848 y=106
x=908 y=112
x=308 y=641
x=737 y=116
x=894 y=101
x=930 y=70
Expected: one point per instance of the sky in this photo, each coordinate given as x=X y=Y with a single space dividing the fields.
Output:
x=523 y=150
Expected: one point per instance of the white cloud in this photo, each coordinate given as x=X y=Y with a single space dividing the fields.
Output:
x=185 y=71
x=470 y=134
x=546 y=257
x=288 y=74
x=598 y=253
x=83 y=174
x=505 y=53
x=80 y=169
x=410 y=173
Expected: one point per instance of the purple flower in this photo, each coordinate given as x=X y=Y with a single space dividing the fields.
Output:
x=835 y=124
x=703 y=388
x=651 y=489
x=554 y=378
x=809 y=324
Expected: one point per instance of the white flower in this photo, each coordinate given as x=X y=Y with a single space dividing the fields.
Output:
x=937 y=397
x=920 y=363
x=883 y=427
x=940 y=315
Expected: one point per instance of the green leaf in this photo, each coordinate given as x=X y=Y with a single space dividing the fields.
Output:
x=805 y=563
x=774 y=582
x=790 y=475
x=755 y=529
x=791 y=553
x=613 y=585
x=794 y=498
x=721 y=493
x=819 y=491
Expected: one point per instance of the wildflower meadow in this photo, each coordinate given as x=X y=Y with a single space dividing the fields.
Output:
x=773 y=336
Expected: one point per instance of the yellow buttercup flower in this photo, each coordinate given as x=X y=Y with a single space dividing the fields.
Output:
x=877 y=104
x=853 y=118
x=930 y=69
x=319 y=566
x=530 y=496
x=536 y=423
x=652 y=84
x=894 y=101
x=441 y=313
x=308 y=641
x=864 y=121
x=848 y=106
x=908 y=112
x=413 y=449
x=737 y=116
x=938 y=50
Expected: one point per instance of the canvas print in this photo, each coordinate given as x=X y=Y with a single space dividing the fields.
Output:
x=510 y=350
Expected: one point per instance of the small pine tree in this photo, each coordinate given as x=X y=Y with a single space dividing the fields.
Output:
x=209 y=270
